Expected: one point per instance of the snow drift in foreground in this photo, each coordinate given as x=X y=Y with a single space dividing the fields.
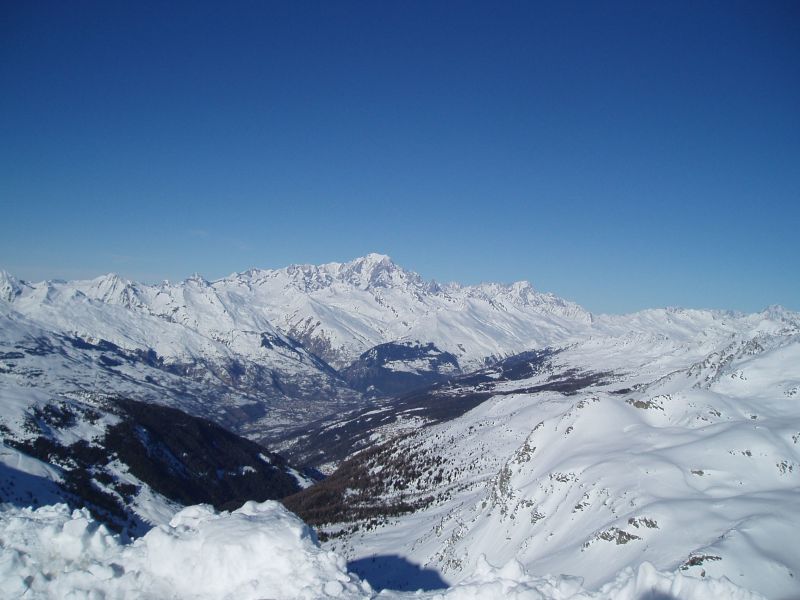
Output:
x=257 y=551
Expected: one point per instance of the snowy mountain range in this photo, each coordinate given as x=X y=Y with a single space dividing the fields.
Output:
x=182 y=346
x=453 y=421
x=265 y=350
x=336 y=311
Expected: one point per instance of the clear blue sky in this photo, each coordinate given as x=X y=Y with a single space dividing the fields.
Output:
x=623 y=155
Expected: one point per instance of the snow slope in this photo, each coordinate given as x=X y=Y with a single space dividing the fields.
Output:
x=132 y=464
x=257 y=551
x=683 y=455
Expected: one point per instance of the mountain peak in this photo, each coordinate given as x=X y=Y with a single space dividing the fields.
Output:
x=377 y=258
x=197 y=279
x=9 y=286
x=370 y=262
x=109 y=279
x=106 y=286
x=110 y=288
x=522 y=286
x=780 y=313
x=375 y=270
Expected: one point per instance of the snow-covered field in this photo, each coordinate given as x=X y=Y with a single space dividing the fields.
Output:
x=259 y=551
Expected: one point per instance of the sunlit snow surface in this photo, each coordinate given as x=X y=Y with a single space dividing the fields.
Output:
x=694 y=469
x=258 y=551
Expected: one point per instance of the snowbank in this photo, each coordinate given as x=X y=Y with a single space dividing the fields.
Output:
x=513 y=583
x=258 y=551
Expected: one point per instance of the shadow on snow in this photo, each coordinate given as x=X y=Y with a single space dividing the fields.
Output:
x=23 y=489
x=394 y=572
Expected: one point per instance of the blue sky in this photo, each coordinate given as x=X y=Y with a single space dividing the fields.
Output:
x=622 y=155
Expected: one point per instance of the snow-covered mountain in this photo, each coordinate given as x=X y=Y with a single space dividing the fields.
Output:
x=133 y=465
x=249 y=351
x=340 y=310
x=584 y=460
x=182 y=346
x=575 y=443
